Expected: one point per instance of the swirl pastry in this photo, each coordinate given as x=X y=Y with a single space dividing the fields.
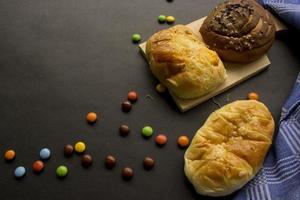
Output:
x=239 y=30
x=229 y=149
x=183 y=63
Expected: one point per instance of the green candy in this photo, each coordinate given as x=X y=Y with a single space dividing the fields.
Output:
x=61 y=171
x=136 y=37
x=161 y=18
x=147 y=131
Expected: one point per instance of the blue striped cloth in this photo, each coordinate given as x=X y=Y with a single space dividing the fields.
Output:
x=287 y=10
x=279 y=179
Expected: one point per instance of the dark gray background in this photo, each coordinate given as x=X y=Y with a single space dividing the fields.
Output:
x=61 y=59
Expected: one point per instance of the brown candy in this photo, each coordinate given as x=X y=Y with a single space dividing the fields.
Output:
x=124 y=130
x=126 y=106
x=148 y=163
x=110 y=161
x=86 y=160
x=68 y=150
x=127 y=173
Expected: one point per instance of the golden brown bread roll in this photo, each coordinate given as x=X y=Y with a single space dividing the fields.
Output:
x=239 y=30
x=182 y=63
x=229 y=149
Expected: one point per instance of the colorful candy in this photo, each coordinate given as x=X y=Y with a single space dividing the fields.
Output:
x=136 y=37
x=148 y=163
x=68 y=150
x=61 y=171
x=161 y=18
x=253 y=96
x=86 y=160
x=91 y=117
x=126 y=106
x=132 y=96
x=127 y=173
x=160 y=88
x=170 y=19
x=124 y=130
x=9 y=155
x=147 y=131
x=45 y=153
x=110 y=161
x=161 y=139
x=37 y=166
x=20 y=172
x=80 y=147
x=183 y=141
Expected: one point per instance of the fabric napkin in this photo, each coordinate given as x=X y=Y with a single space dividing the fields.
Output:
x=287 y=10
x=279 y=179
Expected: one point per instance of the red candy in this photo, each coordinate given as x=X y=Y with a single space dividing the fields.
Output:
x=161 y=139
x=132 y=96
x=37 y=166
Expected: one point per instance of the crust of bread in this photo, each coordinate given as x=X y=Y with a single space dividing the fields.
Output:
x=229 y=149
x=184 y=64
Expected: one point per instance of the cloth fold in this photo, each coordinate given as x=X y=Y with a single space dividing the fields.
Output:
x=287 y=10
x=279 y=178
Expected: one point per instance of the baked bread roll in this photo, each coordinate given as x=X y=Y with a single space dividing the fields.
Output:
x=182 y=63
x=239 y=30
x=229 y=149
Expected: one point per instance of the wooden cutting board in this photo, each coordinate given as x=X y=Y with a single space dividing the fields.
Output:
x=236 y=73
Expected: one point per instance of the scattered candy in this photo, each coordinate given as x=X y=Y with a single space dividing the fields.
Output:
x=126 y=106
x=86 y=160
x=170 y=19
x=253 y=96
x=132 y=96
x=37 y=166
x=45 y=153
x=9 y=155
x=61 y=171
x=80 y=147
x=183 y=141
x=127 y=173
x=110 y=161
x=161 y=18
x=20 y=171
x=148 y=163
x=68 y=150
x=160 y=88
x=91 y=117
x=136 y=38
x=147 y=131
x=161 y=139
x=124 y=130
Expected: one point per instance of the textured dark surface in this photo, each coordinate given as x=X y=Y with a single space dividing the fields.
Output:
x=62 y=59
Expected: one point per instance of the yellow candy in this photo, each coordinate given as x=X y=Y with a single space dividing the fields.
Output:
x=80 y=147
x=170 y=19
x=160 y=88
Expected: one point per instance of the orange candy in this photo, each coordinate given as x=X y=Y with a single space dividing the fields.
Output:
x=161 y=139
x=253 y=96
x=132 y=96
x=183 y=141
x=9 y=155
x=91 y=117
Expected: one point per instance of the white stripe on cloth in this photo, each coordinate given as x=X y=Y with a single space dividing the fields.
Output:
x=290 y=134
x=280 y=161
x=287 y=167
x=267 y=192
x=257 y=192
x=284 y=134
x=285 y=176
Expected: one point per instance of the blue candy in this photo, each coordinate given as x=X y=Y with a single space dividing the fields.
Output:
x=45 y=153
x=20 y=171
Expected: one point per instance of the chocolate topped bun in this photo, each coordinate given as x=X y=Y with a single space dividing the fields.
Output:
x=239 y=30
